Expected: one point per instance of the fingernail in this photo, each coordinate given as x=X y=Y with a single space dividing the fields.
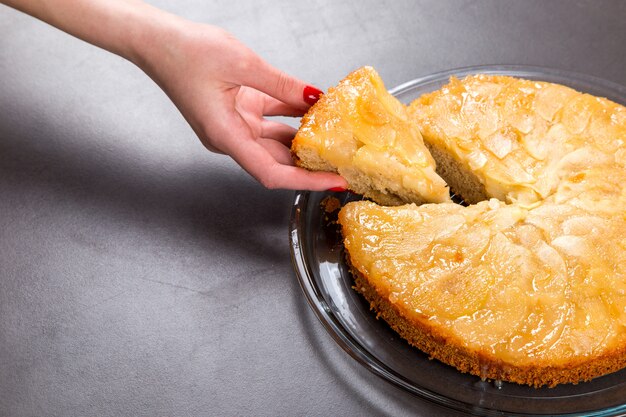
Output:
x=337 y=189
x=311 y=94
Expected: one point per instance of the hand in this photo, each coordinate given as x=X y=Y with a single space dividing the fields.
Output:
x=220 y=86
x=224 y=91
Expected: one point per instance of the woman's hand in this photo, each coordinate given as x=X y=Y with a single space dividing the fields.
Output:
x=222 y=88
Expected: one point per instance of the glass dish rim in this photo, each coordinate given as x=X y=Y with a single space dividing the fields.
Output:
x=321 y=307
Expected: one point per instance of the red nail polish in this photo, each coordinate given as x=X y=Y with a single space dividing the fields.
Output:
x=311 y=94
x=337 y=189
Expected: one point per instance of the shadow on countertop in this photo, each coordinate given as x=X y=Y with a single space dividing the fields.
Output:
x=80 y=166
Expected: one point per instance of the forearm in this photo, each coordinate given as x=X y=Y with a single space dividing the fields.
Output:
x=129 y=28
x=221 y=87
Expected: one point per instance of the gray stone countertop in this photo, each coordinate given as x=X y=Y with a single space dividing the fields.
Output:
x=141 y=275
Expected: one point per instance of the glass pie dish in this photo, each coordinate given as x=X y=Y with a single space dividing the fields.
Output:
x=319 y=263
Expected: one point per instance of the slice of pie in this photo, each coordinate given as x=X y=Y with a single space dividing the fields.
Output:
x=363 y=133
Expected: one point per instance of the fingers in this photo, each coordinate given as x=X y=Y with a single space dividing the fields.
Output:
x=294 y=178
x=274 y=107
x=264 y=153
x=282 y=86
x=270 y=163
x=279 y=152
x=278 y=131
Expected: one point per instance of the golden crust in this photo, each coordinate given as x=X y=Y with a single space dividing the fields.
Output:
x=436 y=343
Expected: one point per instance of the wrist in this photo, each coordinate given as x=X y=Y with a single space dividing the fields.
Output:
x=152 y=38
